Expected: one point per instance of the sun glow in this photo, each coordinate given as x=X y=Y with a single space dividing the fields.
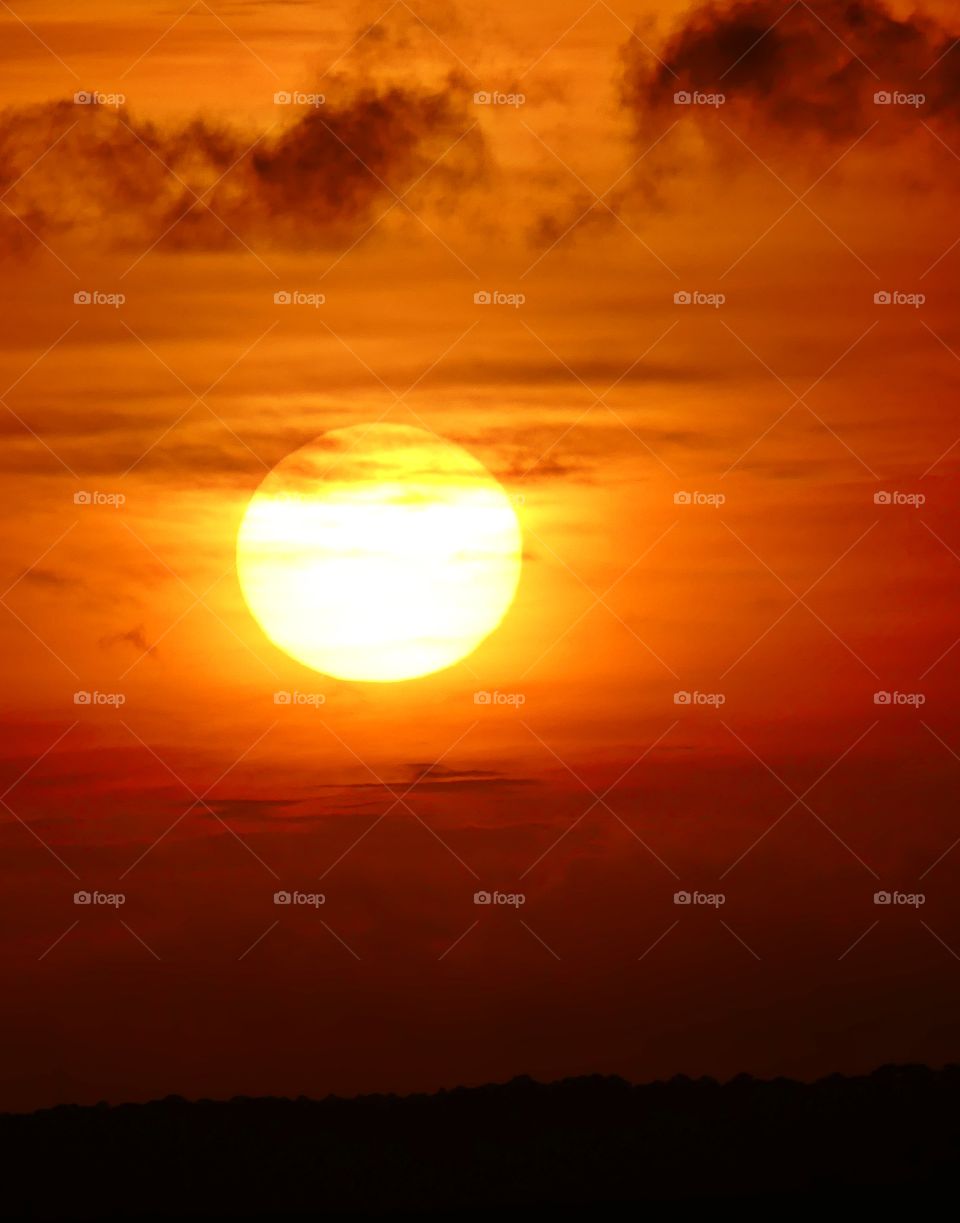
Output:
x=379 y=553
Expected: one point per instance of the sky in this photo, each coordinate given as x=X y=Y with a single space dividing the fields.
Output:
x=714 y=364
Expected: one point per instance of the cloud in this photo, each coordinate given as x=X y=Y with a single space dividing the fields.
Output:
x=350 y=799
x=432 y=776
x=422 y=778
x=100 y=175
x=135 y=637
x=809 y=73
x=47 y=579
x=251 y=809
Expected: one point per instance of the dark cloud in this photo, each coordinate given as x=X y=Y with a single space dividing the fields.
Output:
x=349 y=799
x=108 y=178
x=47 y=579
x=135 y=637
x=567 y=449
x=255 y=809
x=422 y=778
x=437 y=777
x=811 y=70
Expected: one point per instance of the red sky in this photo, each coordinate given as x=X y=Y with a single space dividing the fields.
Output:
x=789 y=589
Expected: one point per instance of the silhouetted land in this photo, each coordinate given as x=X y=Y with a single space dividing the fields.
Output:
x=578 y=1146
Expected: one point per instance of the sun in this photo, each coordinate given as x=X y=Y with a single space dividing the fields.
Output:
x=379 y=553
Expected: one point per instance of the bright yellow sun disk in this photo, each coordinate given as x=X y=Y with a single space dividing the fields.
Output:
x=379 y=553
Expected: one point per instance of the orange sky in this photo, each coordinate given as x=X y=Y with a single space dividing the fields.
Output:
x=596 y=401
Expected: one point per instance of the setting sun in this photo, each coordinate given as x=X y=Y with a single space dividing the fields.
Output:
x=379 y=553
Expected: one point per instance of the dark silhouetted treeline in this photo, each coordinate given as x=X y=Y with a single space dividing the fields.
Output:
x=580 y=1147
